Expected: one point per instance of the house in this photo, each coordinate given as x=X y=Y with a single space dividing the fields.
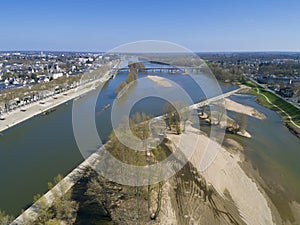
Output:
x=57 y=75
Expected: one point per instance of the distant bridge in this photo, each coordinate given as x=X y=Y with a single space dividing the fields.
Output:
x=167 y=69
x=164 y=69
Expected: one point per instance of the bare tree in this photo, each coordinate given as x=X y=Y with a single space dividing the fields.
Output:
x=5 y=219
x=241 y=121
x=64 y=207
x=44 y=212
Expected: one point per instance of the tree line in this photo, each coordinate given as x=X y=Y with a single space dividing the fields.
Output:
x=134 y=69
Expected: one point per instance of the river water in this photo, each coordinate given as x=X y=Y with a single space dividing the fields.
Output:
x=32 y=153
x=274 y=151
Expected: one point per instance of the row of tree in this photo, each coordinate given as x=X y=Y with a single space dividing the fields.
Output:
x=288 y=68
x=134 y=69
x=142 y=203
x=5 y=219
x=126 y=204
x=39 y=91
x=233 y=73
x=62 y=211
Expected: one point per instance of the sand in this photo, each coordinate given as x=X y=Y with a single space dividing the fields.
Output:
x=225 y=173
x=296 y=211
x=246 y=110
x=160 y=81
x=244 y=133
x=167 y=215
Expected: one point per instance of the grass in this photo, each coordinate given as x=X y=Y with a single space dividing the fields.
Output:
x=284 y=105
x=251 y=84
x=161 y=152
x=289 y=108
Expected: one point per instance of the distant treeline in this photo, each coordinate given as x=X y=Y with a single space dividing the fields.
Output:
x=289 y=68
x=231 y=74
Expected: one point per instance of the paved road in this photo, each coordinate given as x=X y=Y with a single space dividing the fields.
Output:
x=17 y=116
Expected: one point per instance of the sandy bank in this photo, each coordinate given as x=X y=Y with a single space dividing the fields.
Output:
x=239 y=108
x=244 y=133
x=296 y=211
x=160 y=81
x=225 y=174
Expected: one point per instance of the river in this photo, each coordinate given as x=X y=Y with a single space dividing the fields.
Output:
x=32 y=153
x=274 y=151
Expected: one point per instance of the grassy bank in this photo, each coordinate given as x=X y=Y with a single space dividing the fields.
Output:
x=286 y=110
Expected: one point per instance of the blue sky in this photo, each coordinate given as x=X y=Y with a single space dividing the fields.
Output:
x=211 y=25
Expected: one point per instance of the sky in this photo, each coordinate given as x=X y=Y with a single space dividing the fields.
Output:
x=100 y=25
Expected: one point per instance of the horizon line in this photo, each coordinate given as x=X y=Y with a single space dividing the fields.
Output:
x=227 y=51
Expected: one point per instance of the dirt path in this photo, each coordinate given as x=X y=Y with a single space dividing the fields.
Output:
x=290 y=118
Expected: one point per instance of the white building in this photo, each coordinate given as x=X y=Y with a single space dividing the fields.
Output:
x=57 y=75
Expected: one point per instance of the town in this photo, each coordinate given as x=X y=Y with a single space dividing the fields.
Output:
x=42 y=74
x=277 y=72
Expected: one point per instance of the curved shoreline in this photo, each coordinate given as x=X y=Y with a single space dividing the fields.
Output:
x=225 y=173
x=159 y=81
x=242 y=109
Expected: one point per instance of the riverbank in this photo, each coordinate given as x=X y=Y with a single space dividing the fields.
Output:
x=31 y=214
x=73 y=182
x=20 y=115
x=159 y=81
x=289 y=113
x=226 y=175
x=242 y=109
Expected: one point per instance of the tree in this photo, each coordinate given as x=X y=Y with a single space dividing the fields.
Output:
x=34 y=77
x=173 y=117
x=53 y=222
x=44 y=212
x=178 y=129
x=297 y=91
x=102 y=190
x=64 y=207
x=120 y=87
x=139 y=124
x=241 y=121
x=169 y=112
x=97 y=189
x=158 y=201
x=5 y=219
x=132 y=75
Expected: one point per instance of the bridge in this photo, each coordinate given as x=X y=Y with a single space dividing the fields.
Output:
x=217 y=98
x=167 y=69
